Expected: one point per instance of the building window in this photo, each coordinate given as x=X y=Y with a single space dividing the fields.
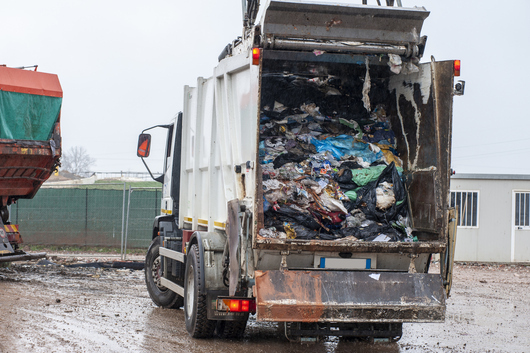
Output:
x=522 y=208
x=467 y=203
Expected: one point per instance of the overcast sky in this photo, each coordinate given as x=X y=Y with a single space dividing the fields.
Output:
x=123 y=65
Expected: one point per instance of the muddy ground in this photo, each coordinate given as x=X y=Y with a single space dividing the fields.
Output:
x=62 y=309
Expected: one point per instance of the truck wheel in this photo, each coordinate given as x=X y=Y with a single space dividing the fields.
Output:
x=195 y=304
x=160 y=295
x=231 y=329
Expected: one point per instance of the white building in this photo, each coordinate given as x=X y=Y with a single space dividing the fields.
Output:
x=494 y=217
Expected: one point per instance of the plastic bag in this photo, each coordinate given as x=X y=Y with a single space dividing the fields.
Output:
x=287 y=158
x=355 y=219
x=384 y=195
x=350 y=232
x=289 y=171
x=332 y=204
x=351 y=194
x=345 y=179
x=272 y=233
x=343 y=145
x=297 y=231
x=367 y=199
x=373 y=230
x=380 y=135
x=272 y=184
x=364 y=176
x=296 y=215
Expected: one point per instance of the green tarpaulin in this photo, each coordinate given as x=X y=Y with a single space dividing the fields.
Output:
x=27 y=116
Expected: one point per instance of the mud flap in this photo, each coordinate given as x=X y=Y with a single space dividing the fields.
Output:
x=340 y=296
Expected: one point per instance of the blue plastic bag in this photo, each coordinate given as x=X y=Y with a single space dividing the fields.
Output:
x=343 y=145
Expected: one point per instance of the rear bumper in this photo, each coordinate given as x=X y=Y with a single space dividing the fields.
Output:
x=349 y=296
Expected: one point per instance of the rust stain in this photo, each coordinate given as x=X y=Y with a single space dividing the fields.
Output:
x=240 y=177
x=289 y=296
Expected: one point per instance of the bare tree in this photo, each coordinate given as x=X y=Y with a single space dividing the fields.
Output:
x=77 y=161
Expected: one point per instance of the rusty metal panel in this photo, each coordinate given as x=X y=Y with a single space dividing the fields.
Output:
x=25 y=166
x=349 y=296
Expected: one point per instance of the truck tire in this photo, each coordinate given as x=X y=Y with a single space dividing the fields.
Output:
x=160 y=295
x=195 y=304
x=231 y=329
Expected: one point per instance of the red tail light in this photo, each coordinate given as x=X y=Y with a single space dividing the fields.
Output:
x=456 y=66
x=236 y=305
x=256 y=52
x=245 y=305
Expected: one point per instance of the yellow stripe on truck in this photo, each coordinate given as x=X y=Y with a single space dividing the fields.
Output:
x=204 y=222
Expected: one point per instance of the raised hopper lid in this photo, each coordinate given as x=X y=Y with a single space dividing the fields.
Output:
x=343 y=22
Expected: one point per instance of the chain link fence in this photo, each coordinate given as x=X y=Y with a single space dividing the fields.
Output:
x=108 y=215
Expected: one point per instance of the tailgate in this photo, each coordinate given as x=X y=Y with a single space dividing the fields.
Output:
x=348 y=296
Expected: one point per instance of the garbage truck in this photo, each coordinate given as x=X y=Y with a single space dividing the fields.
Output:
x=306 y=182
x=30 y=145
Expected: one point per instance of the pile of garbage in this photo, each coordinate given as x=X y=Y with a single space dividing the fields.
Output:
x=330 y=168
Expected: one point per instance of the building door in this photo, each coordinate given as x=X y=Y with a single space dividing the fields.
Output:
x=521 y=226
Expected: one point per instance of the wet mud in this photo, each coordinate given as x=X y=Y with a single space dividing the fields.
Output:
x=83 y=309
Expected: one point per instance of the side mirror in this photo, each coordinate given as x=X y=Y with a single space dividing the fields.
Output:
x=144 y=145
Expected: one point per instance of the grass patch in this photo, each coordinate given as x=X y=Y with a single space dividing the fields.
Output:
x=84 y=249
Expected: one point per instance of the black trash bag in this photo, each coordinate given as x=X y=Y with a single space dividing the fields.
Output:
x=344 y=179
x=271 y=220
x=330 y=236
x=288 y=214
x=378 y=162
x=350 y=165
x=349 y=231
x=350 y=205
x=290 y=90
x=373 y=230
x=303 y=232
x=287 y=158
x=366 y=197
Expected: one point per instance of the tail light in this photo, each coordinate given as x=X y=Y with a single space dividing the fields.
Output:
x=456 y=66
x=256 y=52
x=245 y=305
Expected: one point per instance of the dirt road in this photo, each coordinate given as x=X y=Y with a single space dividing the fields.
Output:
x=62 y=309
